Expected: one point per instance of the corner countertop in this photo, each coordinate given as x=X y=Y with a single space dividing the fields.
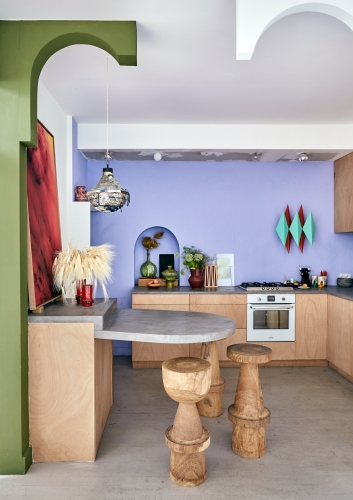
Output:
x=100 y=313
x=343 y=293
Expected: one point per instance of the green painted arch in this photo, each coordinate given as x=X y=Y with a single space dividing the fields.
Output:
x=25 y=47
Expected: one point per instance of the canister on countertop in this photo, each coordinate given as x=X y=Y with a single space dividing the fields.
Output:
x=324 y=275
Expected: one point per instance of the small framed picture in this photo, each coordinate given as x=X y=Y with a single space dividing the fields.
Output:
x=225 y=263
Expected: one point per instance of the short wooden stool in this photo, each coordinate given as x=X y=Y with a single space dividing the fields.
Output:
x=211 y=405
x=187 y=380
x=248 y=414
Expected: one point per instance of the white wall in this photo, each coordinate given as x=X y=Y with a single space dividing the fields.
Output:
x=74 y=217
x=234 y=137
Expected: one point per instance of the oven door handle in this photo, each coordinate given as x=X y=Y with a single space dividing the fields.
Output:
x=272 y=308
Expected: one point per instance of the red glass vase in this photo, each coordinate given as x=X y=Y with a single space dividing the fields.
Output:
x=196 y=279
x=87 y=297
x=79 y=291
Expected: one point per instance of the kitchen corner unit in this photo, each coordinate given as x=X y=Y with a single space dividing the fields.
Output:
x=70 y=381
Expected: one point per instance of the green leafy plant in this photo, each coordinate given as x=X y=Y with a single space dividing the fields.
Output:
x=193 y=258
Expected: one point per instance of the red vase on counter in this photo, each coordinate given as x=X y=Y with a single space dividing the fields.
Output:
x=79 y=291
x=87 y=297
x=196 y=279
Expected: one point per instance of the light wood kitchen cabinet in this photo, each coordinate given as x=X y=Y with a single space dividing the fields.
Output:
x=281 y=351
x=311 y=326
x=340 y=335
x=71 y=390
x=232 y=306
x=343 y=194
x=150 y=354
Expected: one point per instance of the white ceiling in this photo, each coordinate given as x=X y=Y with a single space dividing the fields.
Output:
x=301 y=71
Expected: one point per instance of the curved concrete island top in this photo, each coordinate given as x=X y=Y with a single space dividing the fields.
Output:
x=170 y=327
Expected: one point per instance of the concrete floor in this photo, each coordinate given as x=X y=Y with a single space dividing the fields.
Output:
x=309 y=445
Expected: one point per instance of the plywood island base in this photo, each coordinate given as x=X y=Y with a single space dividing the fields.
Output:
x=71 y=391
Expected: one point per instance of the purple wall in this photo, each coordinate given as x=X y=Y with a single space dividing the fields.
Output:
x=230 y=207
x=79 y=163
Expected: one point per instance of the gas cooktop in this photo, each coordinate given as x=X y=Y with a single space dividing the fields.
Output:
x=271 y=286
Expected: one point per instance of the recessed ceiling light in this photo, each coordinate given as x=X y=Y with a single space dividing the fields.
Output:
x=157 y=156
x=303 y=157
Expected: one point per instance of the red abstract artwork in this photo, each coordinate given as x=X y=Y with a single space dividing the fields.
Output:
x=44 y=238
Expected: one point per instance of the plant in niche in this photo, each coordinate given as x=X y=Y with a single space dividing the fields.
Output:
x=92 y=264
x=193 y=258
x=150 y=243
x=148 y=269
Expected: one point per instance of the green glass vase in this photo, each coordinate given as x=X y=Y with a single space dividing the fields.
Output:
x=169 y=276
x=148 y=269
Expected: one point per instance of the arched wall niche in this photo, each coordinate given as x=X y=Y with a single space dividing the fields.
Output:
x=168 y=244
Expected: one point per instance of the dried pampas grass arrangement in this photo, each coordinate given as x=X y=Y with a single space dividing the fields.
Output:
x=92 y=264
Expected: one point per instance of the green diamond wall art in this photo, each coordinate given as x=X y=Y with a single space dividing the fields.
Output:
x=309 y=228
x=296 y=228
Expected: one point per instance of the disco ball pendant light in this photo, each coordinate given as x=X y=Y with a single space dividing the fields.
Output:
x=108 y=195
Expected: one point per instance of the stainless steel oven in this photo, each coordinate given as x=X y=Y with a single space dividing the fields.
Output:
x=271 y=317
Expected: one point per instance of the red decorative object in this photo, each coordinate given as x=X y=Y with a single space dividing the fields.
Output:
x=79 y=293
x=80 y=193
x=289 y=222
x=302 y=236
x=44 y=235
x=87 y=298
x=196 y=279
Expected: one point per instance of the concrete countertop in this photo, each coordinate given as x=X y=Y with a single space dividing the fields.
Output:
x=343 y=293
x=169 y=327
x=100 y=313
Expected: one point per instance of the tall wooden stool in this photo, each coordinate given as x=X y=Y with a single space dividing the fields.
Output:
x=187 y=380
x=211 y=405
x=248 y=414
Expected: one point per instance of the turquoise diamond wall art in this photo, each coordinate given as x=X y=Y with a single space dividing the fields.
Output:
x=297 y=228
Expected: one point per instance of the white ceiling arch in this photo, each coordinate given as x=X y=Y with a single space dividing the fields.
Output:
x=254 y=17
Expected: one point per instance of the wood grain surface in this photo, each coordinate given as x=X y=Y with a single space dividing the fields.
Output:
x=343 y=194
x=61 y=391
x=70 y=391
x=211 y=405
x=311 y=326
x=235 y=312
x=152 y=351
x=103 y=389
x=218 y=299
x=187 y=380
x=340 y=336
x=160 y=298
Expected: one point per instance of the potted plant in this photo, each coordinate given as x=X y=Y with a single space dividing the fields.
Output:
x=194 y=260
x=92 y=265
x=148 y=269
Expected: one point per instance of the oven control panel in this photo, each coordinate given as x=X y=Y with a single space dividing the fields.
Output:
x=270 y=298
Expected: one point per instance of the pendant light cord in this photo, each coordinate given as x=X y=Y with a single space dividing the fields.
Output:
x=107 y=81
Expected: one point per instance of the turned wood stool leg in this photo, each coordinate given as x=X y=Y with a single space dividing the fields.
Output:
x=211 y=405
x=248 y=413
x=187 y=380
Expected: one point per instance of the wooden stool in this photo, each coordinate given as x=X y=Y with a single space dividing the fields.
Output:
x=187 y=380
x=211 y=405
x=248 y=414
